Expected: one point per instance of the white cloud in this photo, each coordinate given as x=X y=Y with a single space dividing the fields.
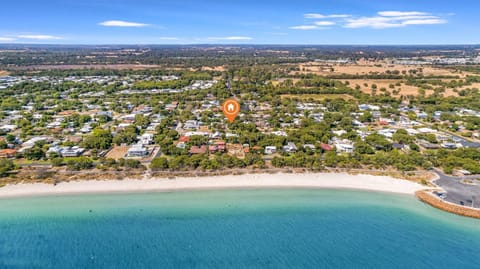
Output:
x=114 y=23
x=324 y=23
x=39 y=37
x=231 y=38
x=382 y=20
x=400 y=13
x=321 y=16
x=372 y=22
x=7 y=39
x=304 y=27
x=424 y=22
x=394 y=19
x=168 y=38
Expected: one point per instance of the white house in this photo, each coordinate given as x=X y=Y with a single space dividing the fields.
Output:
x=270 y=150
x=146 y=139
x=290 y=147
x=8 y=127
x=344 y=148
x=137 y=150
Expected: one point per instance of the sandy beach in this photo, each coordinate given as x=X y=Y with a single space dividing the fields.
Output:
x=307 y=180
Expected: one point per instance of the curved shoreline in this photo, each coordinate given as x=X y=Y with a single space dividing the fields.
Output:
x=303 y=180
x=428 y=198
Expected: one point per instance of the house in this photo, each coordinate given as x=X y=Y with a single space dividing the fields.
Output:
x=422 y=115
x=216 y=135
x=386 y=121
x=128 y=118
x=344 y=148
x=8 y=128
x=66 y=151
x=122 y=126
x=343 y=145
x=221 y=145
x=108 y=114
x=368 y=107
x=449 y=145
x=339 y=132
x=411 y=131
x=54 y=149
x=376 y=114
x=152 y=126
x=146 y=139
x=212 y=149
x=171 y=106
x=270 y=150
x=279 y=133
x=191 y=125
x=227 y=135
x=443 y=137
x=425 y=130
x=437 y=114
x=7 y=153
x=399 y=146
x=142 y=109
x=290 y=147
x=309 y=146
x=388 y=133
x=86 y=129
x=188 y=134
x=72 y=151
x=137 y=150
x=326 y=147
x=184 y=139
x=181 y=145
x=31 y=142
x=198 y=150
x=358 y=124
x=427 y=145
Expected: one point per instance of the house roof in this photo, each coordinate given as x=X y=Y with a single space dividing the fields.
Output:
x=183 y=138
x=198 y=150
x=326 y=147
x=7 y=151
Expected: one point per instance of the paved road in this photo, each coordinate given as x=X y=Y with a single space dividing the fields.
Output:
x=458 y=192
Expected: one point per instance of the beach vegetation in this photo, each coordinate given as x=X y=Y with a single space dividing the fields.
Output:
x=6 y=166
x=79 y=163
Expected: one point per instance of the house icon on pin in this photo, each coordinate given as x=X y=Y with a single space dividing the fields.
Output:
x=231 y=107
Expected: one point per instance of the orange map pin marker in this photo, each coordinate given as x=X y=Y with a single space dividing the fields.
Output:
x=231 y=108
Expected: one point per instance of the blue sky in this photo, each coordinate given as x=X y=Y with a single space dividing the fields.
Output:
x=240 y=22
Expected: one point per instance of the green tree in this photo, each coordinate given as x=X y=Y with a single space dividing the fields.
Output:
x=142 y=121
x=35 y=153
x=79 y=163
x=402 y=136
x=6 y=166
x=3 y=144
x=58 y=161
x=160 y=163
x=10 y=138
x=99 y=139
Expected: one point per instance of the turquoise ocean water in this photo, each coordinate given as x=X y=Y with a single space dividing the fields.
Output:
x=234 y=229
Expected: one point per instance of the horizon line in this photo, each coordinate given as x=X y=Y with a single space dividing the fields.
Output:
x=235 y=44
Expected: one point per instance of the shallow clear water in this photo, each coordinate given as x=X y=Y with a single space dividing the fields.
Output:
x=234 y=229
